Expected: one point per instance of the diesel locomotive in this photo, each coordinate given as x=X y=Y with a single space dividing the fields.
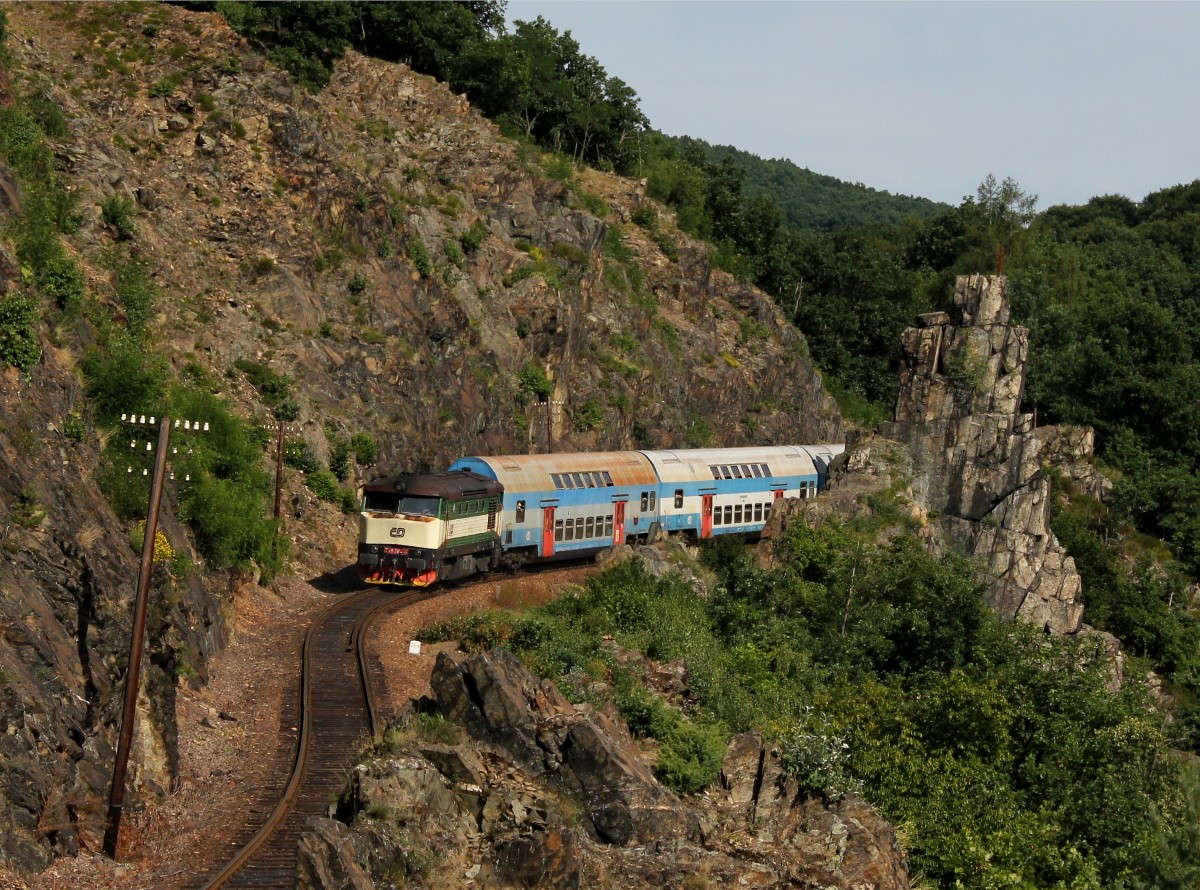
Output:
x=485 y=513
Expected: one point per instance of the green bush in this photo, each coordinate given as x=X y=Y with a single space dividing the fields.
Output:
x=473 y=237
x=365 y=448
x=124 y=377
x=118 y=212
x=274 y=388
x=533 y=379
x=298 y=454
x=419 y=254
x=63 y=279
x=589 y=415
x=339 y=459
x=689 y=756
x=19 y=344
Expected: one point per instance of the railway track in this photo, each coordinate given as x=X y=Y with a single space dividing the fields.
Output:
x=336 y=716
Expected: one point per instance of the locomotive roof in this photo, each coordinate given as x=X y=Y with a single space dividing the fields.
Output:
x=453 y=486
x=531 y=472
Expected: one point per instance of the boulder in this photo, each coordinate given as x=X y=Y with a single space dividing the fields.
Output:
x=325 y=858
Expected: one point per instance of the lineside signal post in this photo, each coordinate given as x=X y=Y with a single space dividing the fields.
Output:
x=116 y=797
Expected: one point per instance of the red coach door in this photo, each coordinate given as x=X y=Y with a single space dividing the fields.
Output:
x=547 y=531
x=705 y=517
x=618 y=523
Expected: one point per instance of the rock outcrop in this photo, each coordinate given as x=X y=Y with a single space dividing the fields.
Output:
x=977 y=460
x=542 y=793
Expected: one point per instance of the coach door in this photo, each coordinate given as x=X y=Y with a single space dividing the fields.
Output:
x=618 y=523
x=706 y=509
x=547 y=531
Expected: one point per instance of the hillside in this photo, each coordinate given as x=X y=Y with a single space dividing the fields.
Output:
x=814 y=201
x=187 y=231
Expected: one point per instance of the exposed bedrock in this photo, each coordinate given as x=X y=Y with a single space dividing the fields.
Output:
x=978 y=461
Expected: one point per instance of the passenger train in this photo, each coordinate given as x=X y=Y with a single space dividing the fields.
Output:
x=489 y=512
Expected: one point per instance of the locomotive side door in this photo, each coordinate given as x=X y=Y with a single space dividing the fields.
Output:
x=706 y=509
x=547 y=531
x=618 y=523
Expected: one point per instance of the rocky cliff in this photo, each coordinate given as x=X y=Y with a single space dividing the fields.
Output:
x=382 y=246
x=510 y=785
x=977 y=461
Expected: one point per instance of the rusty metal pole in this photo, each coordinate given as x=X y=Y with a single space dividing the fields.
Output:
x=116 y=796
x=278 y=469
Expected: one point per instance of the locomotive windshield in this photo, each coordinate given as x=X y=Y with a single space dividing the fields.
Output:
x=380 y=501
x=415 y=506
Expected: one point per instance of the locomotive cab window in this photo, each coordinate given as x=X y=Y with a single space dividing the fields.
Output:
x=679 y=499
x=645 y=501
x=653 y=498
x=520 y=512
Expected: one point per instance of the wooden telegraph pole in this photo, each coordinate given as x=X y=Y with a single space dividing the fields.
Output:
x=116 y=796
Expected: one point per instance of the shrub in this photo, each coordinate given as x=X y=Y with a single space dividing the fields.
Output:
x=136 y=292
x=419 y=254
x=589 y=415
x=74 y=427
x=163 y=551
x=533 y=379
x=365 y=448
x=473 y=237
x=299 y=455
x=62 y=279
x=357 y=283
x=19 y=344
x=118 y=212
x=165 y=86
x=689 y=756
x=27 y=512
x=274 y=388
x=339 y=459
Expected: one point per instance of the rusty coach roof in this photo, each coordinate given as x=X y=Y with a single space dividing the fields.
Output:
x=532 y=472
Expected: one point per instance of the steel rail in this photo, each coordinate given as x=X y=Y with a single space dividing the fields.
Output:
x=304 y=743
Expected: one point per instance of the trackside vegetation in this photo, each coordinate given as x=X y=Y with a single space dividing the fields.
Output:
x=1004 y=753
x=225 y=501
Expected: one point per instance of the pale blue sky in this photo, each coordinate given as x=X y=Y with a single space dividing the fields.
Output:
x=1072 y=99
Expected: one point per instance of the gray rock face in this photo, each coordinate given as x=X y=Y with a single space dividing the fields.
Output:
x=443 y=814
x=978 y=461
x=326 y=858
x=502 y=704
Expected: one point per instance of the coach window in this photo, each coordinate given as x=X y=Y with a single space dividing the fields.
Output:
x=608 y=526
x=589 y=528
x=758 y=512
x=607 y=479
x=679 y=499
x=569 y=532
x=717 y=516
x=645 y=501
x=653 y=498
x=579 y=528
x=737 y=471
x=558 y=530
x=716 y=471
x=737 y=514
x=728 y=514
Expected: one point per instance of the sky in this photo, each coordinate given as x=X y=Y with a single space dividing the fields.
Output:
x=1070 y=99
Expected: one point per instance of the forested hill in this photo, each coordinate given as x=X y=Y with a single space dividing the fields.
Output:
x=812 y=200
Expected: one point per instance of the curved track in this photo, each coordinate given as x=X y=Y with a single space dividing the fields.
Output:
x=337 y=716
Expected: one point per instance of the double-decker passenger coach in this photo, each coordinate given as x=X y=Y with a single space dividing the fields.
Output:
x=486 y=512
